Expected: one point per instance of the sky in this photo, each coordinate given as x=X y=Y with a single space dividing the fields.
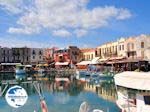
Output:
x=60 y=23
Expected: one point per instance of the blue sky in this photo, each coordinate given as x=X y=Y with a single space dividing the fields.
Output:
x=84 y=23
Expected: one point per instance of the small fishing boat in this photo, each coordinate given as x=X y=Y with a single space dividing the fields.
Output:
x=133 y=91
x=83 y=76
x=84 y=107
x=97 y=110
x=20 y=72
x=41 y=69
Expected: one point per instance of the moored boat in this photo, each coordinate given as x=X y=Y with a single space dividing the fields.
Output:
x=133 y=91
x=20 y=72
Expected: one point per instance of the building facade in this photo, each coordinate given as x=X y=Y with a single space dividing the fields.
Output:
x=6 y=55
x=21 y=55
x=143 y=47
x=121 y=47
x=49 y=54
x=37 y=55
x=131 y=48
x=88 y=54
x=108 y=50
x=70 y=54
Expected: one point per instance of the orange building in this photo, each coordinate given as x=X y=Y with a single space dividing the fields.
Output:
x=66 y=57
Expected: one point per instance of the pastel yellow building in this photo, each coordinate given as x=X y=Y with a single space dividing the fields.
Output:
x=137 y=47
x=107 y=50
x=88 y=54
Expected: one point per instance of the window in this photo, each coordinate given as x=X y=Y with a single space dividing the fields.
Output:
x=4 y=52
x=122 y=47
x=128 y=46
x=112 y=48
x=147 y=100
x=142 y=44
x=132 y=46
x=33 y=52
x=33 y=57
x=40 y=52
x=92 y=56
x=40 y=57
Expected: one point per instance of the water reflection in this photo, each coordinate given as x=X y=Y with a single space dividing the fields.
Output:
x=67 y=97
x=105 y=89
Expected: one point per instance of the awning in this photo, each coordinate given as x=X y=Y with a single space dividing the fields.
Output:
x=133 y=80
x=116 y=58
x=61 y=63
x=95 y=60
x=131 y=60
x=28 y=65
x=103 y=59
x=10 y=63
x=84 y=63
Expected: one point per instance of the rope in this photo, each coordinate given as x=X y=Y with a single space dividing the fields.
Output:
x=4 y=90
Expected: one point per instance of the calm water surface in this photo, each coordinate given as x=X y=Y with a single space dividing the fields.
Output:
x=68 y=98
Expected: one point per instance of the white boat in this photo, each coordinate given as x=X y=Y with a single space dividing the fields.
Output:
x=84 y=107
x=41 y=69
x=97 y=110
x=20 y=72
x=41 y=72
x=83 y=76
x=133 y=91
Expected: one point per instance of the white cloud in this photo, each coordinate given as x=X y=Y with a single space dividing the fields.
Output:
x=15 y=42
x=62 y=33
x=26 y=30
x=13 y=6
x=65 y=14
x=80 y=32
x=124 y=14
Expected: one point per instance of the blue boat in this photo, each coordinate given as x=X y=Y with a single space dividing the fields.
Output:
x=20 y=72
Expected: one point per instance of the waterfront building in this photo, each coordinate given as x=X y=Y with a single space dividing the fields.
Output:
x=49 y=54
x=143 y=47
x=108 y=50
x=130 y=47
x=88 y=54
x=121 y=49
x=21 y=55
x=67 y=56
x=37 y=56
x=6 y=55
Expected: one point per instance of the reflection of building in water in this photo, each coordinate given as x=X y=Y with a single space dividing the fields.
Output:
x=105 y=90
x=90 y=87
x=107 y=93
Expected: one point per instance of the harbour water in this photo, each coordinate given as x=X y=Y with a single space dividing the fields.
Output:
x=68 y=97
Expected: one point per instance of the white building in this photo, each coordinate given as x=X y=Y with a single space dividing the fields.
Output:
x=121 y=48
x=143 y=47
x=37 y=55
